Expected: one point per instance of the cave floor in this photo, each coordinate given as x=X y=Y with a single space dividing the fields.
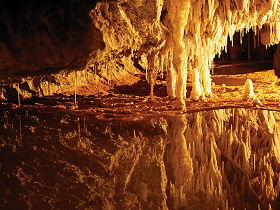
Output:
x=131 y=101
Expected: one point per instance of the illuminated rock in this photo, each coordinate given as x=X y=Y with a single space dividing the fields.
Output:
x=248 y=92
x=198 y=37
x=114 y=35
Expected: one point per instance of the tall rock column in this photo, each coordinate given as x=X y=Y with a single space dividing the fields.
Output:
x=178 y=14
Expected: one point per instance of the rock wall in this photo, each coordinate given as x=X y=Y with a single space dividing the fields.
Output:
x=104 y=41
x=46 y=36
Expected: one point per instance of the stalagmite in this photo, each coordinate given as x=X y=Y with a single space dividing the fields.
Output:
x=248 y=92
x=197 y=91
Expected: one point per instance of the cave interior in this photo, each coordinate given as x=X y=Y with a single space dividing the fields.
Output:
x=144 y=104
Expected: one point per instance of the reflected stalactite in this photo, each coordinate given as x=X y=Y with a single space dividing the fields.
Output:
x=215 y=159
x=75 y=90
x=225 y=159
x=181 y=162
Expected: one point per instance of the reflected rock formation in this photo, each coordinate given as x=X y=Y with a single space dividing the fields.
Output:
x=215 y=159
x=234 y=155
x=181 y=162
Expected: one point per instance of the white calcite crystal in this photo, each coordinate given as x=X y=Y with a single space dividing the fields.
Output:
x=248 y=92
x=197 y=89
x=196 y=37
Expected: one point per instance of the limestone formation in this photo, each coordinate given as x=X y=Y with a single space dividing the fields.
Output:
x=100 y=150
x=46 y=37
x=101 y=38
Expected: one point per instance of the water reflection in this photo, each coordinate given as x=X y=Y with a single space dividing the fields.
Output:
x=235 y=159
x=228 y=158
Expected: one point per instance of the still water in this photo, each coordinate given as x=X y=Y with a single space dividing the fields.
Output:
x=204 y=160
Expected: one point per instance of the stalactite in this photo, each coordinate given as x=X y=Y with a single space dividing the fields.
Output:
x=179 y=11
x=79 y=129
x=255 y=40
x=171 y=77
x=153 y=61
x=249 y=47
x=75 y=89
x=200 y=37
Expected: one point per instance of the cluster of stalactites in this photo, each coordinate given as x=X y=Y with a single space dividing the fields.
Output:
x=271 y=34
x=198 y=31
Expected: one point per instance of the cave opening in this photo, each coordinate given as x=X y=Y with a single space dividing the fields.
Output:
x=247 y=52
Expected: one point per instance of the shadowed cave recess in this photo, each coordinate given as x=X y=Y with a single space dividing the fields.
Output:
x=144 y=104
